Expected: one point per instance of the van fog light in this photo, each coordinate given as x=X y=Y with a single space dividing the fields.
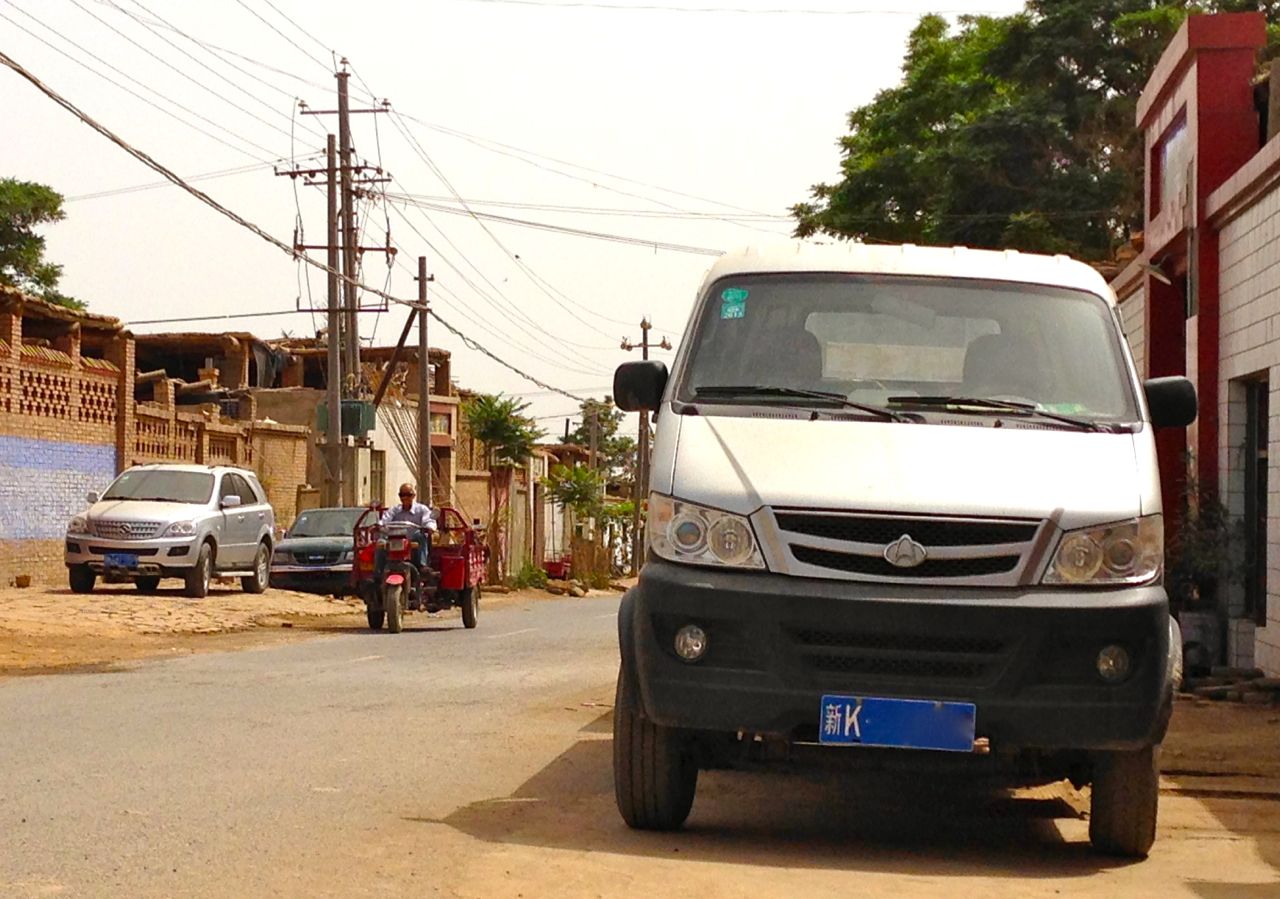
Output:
x=1113 y=664
x=691 y=643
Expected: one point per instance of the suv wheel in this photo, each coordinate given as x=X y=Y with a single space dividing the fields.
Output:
x=1126 y=794
x=257 y=582
x=197 y=579
x=81 y=578
x=654 y=775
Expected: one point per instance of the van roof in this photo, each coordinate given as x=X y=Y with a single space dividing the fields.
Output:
x=910 y=260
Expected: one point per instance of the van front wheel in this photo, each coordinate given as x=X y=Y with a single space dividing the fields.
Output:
x=654 y=775
x=1126 y=794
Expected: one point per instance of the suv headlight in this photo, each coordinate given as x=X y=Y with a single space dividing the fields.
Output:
x=1129 y=552
x=685 y=532
x=180 y=529
x=78 y=525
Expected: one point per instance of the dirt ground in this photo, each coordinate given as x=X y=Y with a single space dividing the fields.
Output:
x=46 y=630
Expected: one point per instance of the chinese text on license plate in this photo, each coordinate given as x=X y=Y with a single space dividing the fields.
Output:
x=905 y=723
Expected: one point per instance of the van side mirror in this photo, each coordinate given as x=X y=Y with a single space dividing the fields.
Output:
x=92 y=497
x=1172 y=401
x=639 y=385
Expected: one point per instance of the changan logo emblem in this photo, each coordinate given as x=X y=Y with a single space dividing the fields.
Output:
x=905 y=553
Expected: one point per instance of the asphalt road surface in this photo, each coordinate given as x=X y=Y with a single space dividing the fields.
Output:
x=477 y=763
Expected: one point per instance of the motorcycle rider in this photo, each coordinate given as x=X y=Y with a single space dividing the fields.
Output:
x=416 y=513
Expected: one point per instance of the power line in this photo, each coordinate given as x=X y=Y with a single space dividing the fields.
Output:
x=744 y=10
x=200 y=195
x=562 y=229
x=287 y=18
x=143 y=22
x=286 y=37
x=134 y=93
x=137 y=188
x=602 y=210
x=172 y=67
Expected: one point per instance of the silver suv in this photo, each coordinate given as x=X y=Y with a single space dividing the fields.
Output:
x=193 y=522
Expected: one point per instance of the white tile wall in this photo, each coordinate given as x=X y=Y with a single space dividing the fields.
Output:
x=1249 y=342
x=1133 y=319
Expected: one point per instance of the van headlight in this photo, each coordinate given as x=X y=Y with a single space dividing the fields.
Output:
x=1129 y=552
x=685 y=532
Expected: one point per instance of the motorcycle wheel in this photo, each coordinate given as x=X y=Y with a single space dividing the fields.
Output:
x=375 y=614
x=393 y=603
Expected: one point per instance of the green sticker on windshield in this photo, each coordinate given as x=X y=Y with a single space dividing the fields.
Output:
x=733 y=303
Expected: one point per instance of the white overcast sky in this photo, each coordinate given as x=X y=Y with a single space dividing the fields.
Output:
x=720 y=112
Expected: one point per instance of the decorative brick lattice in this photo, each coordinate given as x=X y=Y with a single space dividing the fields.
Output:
x=98 y=401
x=164 y=439
x=45 y=393
x=222 y=450
x=6 y=387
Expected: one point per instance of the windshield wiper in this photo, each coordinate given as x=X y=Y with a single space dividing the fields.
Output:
x=1001 y=405
x=749 y=390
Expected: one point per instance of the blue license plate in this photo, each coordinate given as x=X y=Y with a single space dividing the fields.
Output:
x=120 y=560
x=903 y=723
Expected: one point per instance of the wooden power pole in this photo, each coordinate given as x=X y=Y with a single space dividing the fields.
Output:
x=642 y=450
x=424 y=387
x=333 y=396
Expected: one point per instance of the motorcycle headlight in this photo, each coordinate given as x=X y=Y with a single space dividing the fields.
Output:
x=78 y=525
x=180 y=529
x=1129 y=552
x=685 y=532
x=348 y=556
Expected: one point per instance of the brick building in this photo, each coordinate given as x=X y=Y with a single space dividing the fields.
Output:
x=1203 y=299
x=74 y=411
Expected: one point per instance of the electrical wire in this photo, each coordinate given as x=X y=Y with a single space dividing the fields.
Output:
x=140 y=20
x=286 y=37
x=135 y=94
x=172 y=67
x=137 y=188
x=564 y=229
x=140 y=155
x=743 y=10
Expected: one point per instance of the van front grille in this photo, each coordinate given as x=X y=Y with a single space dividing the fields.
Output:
x=878 y=566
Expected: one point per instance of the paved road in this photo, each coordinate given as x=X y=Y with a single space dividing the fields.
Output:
x=447 y=762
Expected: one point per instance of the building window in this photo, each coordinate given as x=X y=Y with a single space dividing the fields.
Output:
x=1257 y=395
x=378 y=475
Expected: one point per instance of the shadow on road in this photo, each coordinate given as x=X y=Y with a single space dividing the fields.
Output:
x=854 y=822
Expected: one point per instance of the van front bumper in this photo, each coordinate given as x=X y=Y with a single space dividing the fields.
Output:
x=1025 y=656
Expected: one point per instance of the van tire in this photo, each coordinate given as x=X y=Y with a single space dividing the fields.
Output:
x=81 y=578
x=1126 y=795
x=198 y=577
x=654 y=775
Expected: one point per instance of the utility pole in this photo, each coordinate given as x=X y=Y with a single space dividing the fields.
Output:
x=333 y=398
x=642 y=451
x=593 y=438
x=424 y=387
x=350 y=236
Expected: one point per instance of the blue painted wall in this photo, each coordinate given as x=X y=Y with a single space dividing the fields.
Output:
x=43 y=483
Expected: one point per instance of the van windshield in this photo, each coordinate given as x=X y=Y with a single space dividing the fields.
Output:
x=908 y=344
x=159 y=485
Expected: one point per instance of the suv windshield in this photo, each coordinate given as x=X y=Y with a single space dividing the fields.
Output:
x=162 y=486
x=325 y=523
x=879 y=341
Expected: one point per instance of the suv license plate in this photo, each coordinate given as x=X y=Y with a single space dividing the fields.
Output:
x=902 y=723
x=120 y=560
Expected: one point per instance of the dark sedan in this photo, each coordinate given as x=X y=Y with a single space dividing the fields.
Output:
x=316 y=553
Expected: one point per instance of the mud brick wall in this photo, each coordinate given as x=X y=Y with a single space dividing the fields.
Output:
x=280 y=457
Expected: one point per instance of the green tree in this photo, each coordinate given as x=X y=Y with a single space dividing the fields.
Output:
x=615 y=453
x=1009 y=132
x=576 y=487
x=24 y=207
x=508 y=435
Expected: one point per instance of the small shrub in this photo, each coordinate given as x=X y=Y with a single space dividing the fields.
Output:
x=529 y=576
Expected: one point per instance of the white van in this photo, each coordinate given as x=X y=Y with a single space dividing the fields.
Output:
x=905 y=510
